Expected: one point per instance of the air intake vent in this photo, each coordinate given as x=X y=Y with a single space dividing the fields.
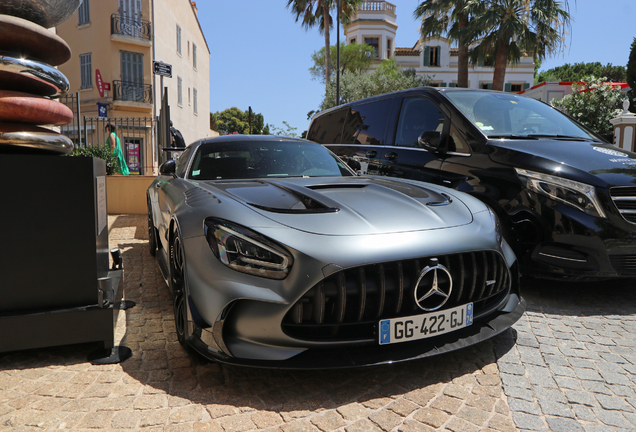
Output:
x=348 y=304
x=625 y=200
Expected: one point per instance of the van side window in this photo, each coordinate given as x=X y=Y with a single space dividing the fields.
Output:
x=456 y=142
x=416 y=116
x=366 y=123
x=327 y=129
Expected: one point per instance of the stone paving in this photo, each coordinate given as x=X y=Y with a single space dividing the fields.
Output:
x=573 y=368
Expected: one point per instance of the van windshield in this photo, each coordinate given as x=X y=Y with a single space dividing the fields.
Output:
x=503 y=115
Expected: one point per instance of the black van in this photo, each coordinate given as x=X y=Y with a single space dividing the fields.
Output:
x=565 y=196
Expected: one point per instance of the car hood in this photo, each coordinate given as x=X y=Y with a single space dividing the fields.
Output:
x=348 y=206
x=601 y=164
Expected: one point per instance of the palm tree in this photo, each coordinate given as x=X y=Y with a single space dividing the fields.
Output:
x=450 y=18
x=319 y=12
x=509 y=28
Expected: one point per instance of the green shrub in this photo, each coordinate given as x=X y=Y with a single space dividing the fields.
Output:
x=100 y=152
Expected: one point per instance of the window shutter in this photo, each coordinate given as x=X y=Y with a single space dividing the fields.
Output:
x=507 y=87
x=489 y=86
x=427 y=56
x=452 y=84
x=443 y=84
x=526 y=86
x=438 y=60
x=480 y=62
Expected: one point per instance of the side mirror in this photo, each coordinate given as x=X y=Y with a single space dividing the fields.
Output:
x=353 y=164
x=168 y=167
x=429 y=140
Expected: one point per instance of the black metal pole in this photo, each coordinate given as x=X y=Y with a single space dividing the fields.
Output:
x=338 y=52
x=250 y=119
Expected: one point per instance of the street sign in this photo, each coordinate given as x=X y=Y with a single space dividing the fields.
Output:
x=161 y=68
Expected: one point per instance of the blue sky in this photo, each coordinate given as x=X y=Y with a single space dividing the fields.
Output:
x=260 y=56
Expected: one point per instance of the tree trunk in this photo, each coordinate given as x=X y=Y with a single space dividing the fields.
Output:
x=462 y=54
x=501 y=61
x=327 y=47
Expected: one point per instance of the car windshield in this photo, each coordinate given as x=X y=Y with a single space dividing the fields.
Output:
x=264 y=159
x=502 y=115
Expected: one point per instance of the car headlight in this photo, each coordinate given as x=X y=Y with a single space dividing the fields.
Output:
x=497 y=225
x=246 y=251
x=578 y=195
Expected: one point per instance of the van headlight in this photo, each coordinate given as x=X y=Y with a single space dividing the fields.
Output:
x=581 y=196
x=244 y=250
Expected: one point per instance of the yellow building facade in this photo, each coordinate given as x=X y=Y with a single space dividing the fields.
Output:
x=114 y=44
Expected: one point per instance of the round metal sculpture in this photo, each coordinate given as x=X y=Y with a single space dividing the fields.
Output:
x=47 y=13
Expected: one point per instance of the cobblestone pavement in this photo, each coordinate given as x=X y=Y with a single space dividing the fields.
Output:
x=573 y=368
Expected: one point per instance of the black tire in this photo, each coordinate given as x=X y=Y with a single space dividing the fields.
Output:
x=177 y=285
x=152 y=232
x=181 y=317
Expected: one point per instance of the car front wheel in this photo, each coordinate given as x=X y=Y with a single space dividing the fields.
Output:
x=177 y=284
x=152 y=232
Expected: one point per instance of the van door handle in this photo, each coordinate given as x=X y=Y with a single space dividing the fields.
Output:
x=391 y=156
x=371 y=153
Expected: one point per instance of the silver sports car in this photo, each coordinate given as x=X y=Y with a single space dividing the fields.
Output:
x=278 y=255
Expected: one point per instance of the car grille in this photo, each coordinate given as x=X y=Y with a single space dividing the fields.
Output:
x=623 y=264
x=625 y=200
x=348 y=304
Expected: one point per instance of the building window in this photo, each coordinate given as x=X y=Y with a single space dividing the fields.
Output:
x=516 y=87
x=178 y=39
x=375 y=43
x=194 y=56
x=432 y=56
x=388 y=48
x=86 y=71
x=179 y=91
x=353 y=40
x=189 y=98
x=84 y=13
x=194 y=101
x=485 y=86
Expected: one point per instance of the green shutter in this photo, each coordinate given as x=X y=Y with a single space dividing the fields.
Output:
x=439 y=55
x=480 y=62
x=489 y=86
x=442 y=84
x=427 y=56
x=452 y=84
x=526 y=86
x=507 y=87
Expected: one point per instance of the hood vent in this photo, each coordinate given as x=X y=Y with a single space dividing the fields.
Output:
x=336 y=186
x=200 y=197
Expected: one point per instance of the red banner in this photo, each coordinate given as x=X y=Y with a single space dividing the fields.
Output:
x=99 y=82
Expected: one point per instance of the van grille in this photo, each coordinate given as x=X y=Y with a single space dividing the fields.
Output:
x=348 y=304
x=625 y=200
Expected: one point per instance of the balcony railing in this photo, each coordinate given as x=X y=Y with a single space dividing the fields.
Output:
x=377 y=6
x=133 y=27
x=132 y=92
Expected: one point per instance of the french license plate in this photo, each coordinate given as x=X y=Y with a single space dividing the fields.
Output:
x=426 y=325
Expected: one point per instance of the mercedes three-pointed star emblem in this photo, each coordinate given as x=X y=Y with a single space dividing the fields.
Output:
x=433 y=287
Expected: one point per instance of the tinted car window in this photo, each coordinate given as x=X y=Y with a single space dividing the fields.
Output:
x=328 y=128
x=182 y=162
x=417 y=115
x=498 y=114
x=366 y=123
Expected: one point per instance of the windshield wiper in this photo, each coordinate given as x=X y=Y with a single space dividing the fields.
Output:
x=513 y=136
x=564 y=137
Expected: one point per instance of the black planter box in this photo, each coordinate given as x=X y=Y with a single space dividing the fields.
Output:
x=53 y=251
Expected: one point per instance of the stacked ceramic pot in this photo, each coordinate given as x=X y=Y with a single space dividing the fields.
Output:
x=29 y=82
